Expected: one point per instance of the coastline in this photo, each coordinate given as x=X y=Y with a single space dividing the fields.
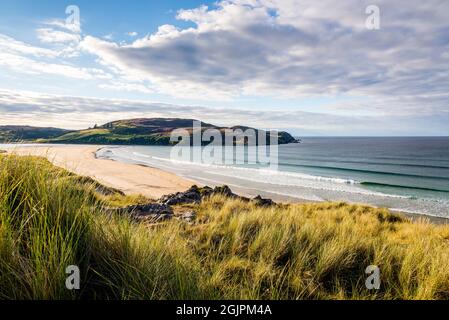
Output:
x=129 y=178
x=135 y=179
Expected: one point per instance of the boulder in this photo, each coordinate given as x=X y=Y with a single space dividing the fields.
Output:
x=150 y=209
x=152 y=212
x=259 y=201
x=224 y=190
x=193 y=195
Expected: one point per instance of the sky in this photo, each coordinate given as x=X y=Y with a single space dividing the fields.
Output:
x=321 y=68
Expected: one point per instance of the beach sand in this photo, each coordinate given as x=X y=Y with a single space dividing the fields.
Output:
x=129 y=178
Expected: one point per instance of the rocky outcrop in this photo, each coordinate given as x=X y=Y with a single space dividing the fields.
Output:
x=196 y=194
x=263 y=202
x=193 y=195
x=152 y=212
x=150 y=209
x=163 y=211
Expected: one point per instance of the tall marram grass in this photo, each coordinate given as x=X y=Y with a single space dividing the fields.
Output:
x=50 y=219
x=319 y=251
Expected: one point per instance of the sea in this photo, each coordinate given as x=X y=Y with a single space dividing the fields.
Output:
x=406 y=174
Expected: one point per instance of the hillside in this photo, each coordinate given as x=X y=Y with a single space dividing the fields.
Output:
x=27 y=133
x=153 y=131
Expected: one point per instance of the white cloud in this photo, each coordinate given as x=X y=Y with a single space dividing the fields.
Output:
x=8 y=44
x=24 y=58
x=48 y=35
x=126 y=86
x=61 y=24
x=19 y=107
x=293 y=48
x=132 y=34
x=27 y=65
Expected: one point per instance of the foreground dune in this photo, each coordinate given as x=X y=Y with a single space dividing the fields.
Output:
x=230 y=249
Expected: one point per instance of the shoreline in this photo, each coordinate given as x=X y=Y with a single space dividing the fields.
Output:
x=135 y=179
x=129 y=178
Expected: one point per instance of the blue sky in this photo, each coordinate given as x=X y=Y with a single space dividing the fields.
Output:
x=312 y=68
x=100 y=17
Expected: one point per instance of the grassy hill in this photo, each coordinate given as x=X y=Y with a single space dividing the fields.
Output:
x=154 y=131
x=27 y=133
x=127 y=132
x=50 y=219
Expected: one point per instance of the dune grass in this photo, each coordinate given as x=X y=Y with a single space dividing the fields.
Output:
x=50 y=219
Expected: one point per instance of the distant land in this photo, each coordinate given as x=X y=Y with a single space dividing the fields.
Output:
x=142 y=131
x=27 y=133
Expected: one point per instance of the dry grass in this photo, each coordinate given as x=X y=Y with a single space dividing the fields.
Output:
x=50 y=219
x=319 y=251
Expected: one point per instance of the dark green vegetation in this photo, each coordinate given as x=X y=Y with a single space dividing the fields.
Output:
x=154 y=131
x=26 y=133
x=50 y=219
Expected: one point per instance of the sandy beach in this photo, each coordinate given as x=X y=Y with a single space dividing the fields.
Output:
x=129 y=178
